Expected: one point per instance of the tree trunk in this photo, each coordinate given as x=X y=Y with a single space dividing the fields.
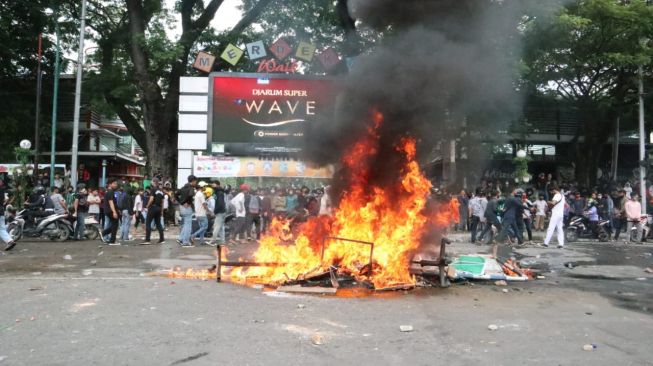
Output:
x=597 y=126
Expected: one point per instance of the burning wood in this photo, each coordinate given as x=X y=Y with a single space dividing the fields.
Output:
x=371 y=238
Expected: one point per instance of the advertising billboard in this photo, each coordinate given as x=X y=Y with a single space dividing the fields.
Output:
x=224 y=167
x=267 y=112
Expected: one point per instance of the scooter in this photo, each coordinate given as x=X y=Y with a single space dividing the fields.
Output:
x=91 y=228
x=55 y=227
x=579 y=228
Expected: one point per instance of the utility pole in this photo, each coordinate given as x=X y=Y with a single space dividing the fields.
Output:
x=642 y=146
x=39 y=79
x=78 y=97
x=55 y=97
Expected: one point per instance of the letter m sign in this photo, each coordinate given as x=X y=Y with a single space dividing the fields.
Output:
x=204 y=62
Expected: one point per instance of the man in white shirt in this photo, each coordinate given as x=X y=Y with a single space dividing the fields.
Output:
x=540 y=213
x=238 y=203
x=557 y=215
x=201 y=209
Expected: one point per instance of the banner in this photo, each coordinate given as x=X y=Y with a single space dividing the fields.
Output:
x=230 y=167
x=273 y=110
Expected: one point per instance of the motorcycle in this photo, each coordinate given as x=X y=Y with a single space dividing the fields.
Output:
x=579 y=228
x=55 y=227
x=91 y=228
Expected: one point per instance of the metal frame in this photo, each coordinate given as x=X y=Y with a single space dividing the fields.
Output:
x=351 y=241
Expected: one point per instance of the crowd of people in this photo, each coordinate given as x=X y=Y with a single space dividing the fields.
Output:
x=491 y=216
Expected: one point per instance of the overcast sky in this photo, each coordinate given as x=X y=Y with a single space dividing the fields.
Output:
x=226 y=17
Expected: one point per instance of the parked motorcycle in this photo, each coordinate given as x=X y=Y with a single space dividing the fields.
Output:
x=91 y=228
x=54 y=227
x=579 y=227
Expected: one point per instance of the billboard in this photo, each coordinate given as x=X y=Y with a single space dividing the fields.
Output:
x=267 y=112
x=220 y=167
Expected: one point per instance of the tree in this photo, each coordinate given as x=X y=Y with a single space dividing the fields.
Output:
x=139 y=67
x=587 y=54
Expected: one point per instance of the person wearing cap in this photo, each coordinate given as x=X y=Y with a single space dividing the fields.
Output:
x=185 y=197
x=241 y=213
x=201 y=209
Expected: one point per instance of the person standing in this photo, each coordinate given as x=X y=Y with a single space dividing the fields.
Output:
x=94 y=201
x=111 y=212
x=463 y=210
x=279 y=203
x=266 y=211
x=154 y=209
x=138 y=208
x=291 y=201
x=220 y=211
x=477 y=211
x=490 y=215
x=201 y=209
x=4 y=235
x=540 y=213
x=81 y=207
x=185 y=197
x=58 y=182
x=619 y=213
x=512 y=213
x=557 y=205
x=326 y=208
x=254 y=215
x=528 y=216
x=633 y=210
x=238 y=203
x=127 y=211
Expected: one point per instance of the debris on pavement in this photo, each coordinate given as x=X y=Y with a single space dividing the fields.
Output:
x=93 y=262
x=317 y=339
x=501 y=283
x=36 y=288
x=493 y=327
x=301 y=306
x=406 y=328
x=67 y=257
x=589 y=347
x=648 y=270
x=87 y=272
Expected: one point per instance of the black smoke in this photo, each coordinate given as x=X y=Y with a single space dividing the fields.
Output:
x=441 y=63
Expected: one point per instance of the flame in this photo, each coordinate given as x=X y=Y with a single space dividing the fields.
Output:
x=394 y=218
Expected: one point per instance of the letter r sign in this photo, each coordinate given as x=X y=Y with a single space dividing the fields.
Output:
x=256 y=50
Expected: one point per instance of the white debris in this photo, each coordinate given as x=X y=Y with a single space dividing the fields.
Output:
x=406 y=328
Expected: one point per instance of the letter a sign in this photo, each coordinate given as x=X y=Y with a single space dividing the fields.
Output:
x=204 y=62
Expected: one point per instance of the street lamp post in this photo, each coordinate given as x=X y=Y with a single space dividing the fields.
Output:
x=55 y=96
x=642 y=143
x=78 y=97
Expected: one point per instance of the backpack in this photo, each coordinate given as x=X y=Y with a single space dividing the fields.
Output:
x=120 y=200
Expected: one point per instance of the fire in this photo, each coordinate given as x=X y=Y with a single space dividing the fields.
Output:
x=394 y=218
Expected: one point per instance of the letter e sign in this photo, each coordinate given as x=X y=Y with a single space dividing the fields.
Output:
x=305 y=51
x=232 y=54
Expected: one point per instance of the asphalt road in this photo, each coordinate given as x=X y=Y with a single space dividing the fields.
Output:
x=104 y=306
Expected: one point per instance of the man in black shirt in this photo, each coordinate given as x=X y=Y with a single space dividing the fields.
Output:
x=491 y=216
x=81 y=212
x=4 y=235
x=154 y=207
x=112 y=212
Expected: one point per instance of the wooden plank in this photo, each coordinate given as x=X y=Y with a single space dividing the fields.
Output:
x=307 y=290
